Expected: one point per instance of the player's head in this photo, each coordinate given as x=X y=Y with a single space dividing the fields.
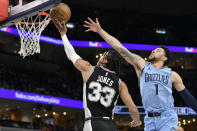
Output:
x=111 y=60
x=160 y=54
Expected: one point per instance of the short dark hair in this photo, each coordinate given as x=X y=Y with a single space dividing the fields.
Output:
x=167 y=54
x=114 y=62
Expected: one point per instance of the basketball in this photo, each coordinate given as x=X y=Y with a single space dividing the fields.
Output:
x=61 y=12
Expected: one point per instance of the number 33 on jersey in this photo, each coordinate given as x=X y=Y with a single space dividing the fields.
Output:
x=101 y=93
x=98 y=90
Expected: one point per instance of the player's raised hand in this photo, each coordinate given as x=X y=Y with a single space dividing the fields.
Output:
x=92 y=26
x=60 y=26
x=135 y=123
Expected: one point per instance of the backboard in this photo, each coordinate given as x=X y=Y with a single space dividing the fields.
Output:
x=21 y=9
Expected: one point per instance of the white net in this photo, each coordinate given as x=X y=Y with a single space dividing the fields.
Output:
x=30 y=30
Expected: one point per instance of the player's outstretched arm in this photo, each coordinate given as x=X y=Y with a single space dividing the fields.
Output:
x=133 y=59
x=126 y=98
x=185 y=94
x=79 y=63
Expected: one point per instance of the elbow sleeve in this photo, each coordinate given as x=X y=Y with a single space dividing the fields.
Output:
x=189 y=99
x=70 y=52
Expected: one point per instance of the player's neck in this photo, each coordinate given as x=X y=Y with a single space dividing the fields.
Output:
x=103 y=67
x=157 y=64
x=101 y=64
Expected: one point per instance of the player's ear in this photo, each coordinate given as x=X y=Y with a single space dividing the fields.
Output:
x=165 y=58
x=105 y=60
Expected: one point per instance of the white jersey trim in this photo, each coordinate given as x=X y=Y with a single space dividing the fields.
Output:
x=114 y=106
x=87 y=111
x=87 y=124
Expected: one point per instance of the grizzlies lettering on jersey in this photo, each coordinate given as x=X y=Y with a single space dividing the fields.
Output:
x=156 y=77
x=156 y=89
x=100 y=93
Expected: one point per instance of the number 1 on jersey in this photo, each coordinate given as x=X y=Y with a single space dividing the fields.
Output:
x=157 y=91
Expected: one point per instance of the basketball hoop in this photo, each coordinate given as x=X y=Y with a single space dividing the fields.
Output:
x=30 y=30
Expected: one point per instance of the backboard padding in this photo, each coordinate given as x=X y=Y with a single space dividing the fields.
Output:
x=28 y=10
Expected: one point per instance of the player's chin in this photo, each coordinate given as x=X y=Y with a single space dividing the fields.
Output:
x=151 y=57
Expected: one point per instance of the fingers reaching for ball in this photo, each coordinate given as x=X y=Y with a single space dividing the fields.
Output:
x=91 y=25
x=60 y=25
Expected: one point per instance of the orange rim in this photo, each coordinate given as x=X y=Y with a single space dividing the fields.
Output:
x=35 y=23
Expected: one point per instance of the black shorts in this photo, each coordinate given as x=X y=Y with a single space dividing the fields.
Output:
x=99 y=125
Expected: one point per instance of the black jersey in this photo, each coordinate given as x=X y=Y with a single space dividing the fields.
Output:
x=101 y=93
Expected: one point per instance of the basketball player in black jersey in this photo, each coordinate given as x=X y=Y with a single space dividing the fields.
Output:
x=102 y=86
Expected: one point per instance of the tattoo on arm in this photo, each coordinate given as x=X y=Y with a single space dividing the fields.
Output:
x=130 y=57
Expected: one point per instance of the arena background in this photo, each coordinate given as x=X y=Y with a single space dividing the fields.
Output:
x=50 y=73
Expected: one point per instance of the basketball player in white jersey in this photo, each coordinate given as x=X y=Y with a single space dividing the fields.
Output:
x=102 y=86
x=156 y=81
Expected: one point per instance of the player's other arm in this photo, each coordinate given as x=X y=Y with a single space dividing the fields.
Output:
x=126 y=98
x=79 y=63
x=185 y=94
x=135 y=60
